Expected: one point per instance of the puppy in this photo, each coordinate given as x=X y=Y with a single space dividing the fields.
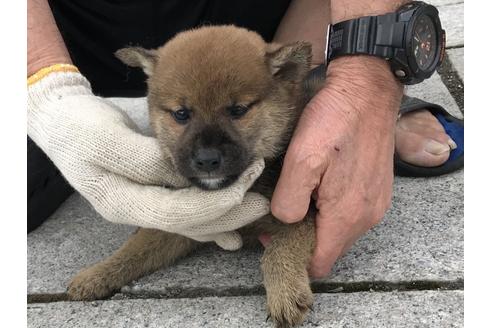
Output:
x=220 y=97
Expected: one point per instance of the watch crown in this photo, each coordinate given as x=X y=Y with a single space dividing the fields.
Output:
x=400 y=73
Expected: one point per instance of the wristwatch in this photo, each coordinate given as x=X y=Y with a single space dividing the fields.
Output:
x=410 y=39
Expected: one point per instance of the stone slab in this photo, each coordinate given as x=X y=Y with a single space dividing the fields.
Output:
x=452 y=19
x=72 y=238
x=439 y=3
x=421 y=238
x=397 y=309
x=457 y=57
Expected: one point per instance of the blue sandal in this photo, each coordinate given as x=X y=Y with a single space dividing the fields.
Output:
x=453 y=126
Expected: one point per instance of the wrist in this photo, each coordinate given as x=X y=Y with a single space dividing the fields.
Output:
x=364 y=79
x=38 y=59
x=45 y=45
x=364 y=83
x=342 y=10
x=363 y=71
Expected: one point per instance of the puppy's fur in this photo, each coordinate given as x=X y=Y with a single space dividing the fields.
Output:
x=241 y=100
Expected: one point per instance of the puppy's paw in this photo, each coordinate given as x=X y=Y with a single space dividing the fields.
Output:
x=90 y=284
x=288 y=304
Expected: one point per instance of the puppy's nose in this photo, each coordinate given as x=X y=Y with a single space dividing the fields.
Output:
x=207 y=159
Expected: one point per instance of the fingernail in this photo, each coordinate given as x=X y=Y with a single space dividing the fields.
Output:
x=436 y=148
x=452 y=144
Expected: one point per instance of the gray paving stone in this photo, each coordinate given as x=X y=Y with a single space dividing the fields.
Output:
x=72 y=238
x=439 y=3
x=433 y=90
x=452 y=19
x=396 y=309
x=421 y=238
x=457 y=57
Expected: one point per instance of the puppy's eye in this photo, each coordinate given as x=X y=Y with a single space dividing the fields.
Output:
x=237 y=111
x=182 y=116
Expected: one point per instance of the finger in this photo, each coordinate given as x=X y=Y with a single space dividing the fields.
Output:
x=347 y=247
x=298 y=178
x=329 y=245
x=323 y=260
x=249 y=176
x=121 y=200
x=229 y=241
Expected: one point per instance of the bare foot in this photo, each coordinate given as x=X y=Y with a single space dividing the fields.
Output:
x=421 y=139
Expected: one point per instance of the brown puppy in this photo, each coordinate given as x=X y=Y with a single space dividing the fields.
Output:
x=218 y=98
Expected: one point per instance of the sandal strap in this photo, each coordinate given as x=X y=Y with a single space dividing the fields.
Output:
x=411 y=104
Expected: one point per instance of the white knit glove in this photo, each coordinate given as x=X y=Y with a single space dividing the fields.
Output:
x=122 y=173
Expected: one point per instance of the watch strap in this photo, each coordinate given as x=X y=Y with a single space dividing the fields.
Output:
x=369 y=35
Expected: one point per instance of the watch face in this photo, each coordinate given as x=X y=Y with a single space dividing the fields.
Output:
x=424 y=42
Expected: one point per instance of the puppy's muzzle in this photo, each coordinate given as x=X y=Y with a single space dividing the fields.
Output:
x=207 y=160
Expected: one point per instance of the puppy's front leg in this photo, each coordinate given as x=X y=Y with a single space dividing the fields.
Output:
x=285 y=276
x=146 y=251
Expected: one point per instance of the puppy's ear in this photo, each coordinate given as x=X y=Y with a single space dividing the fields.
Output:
x=289 y=62
x=138 y=57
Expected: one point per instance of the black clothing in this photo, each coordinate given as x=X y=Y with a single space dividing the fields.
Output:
x=94 y=29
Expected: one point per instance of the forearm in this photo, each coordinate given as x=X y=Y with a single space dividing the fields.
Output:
x=342 y=10
x=45 y=44
x=306 y=20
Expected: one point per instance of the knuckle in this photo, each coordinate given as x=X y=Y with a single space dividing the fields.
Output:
x=311 y=162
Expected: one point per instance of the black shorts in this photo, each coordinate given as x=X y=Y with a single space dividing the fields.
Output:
x=94 y=29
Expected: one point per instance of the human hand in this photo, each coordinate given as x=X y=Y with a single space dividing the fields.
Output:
x=122 y=173
x=342 y=151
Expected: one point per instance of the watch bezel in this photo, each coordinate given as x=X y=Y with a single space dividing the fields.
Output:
x=433 y=14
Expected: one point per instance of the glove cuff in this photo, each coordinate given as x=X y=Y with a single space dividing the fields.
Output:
x=55 y=82
x=45 y=88
x=50 y=69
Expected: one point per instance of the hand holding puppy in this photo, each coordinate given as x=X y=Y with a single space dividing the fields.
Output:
x=122 y=173
x=342 y=154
